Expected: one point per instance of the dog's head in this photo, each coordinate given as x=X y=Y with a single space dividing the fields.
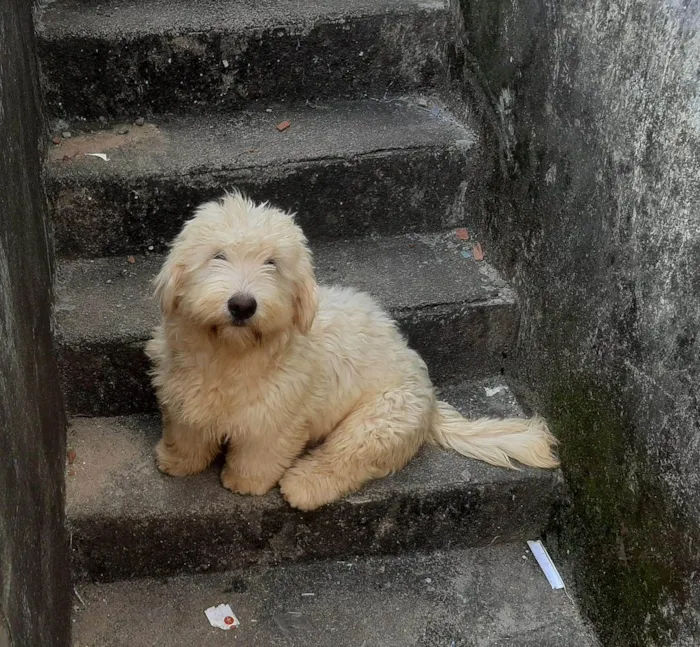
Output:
x=241 y=268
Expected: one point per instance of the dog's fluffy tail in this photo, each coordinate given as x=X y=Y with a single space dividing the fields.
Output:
x=495 y=441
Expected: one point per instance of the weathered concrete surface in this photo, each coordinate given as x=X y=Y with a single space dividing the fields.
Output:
x=347 y=169
x=593 y=117
x=127 y=519
x=456 y=312
x=34 y=573
x=490 y=597
x=124 y=58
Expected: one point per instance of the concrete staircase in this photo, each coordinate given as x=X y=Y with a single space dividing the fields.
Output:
x=184 y=98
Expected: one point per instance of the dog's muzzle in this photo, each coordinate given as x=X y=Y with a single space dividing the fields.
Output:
x=242 y=307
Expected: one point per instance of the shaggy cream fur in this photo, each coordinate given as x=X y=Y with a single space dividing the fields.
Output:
x=312 y=388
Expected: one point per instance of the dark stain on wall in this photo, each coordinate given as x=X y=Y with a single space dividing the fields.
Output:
x=34 y=571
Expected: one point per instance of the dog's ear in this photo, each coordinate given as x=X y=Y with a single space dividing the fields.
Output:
x=306 y=296
x=168 y=285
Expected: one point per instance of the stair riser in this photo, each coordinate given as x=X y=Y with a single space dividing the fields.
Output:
x=393 y=192
x=458 y=342
x=459 y=517
x=122 y=77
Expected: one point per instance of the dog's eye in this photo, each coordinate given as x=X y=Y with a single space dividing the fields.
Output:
x=271 y=261
x=220 y=256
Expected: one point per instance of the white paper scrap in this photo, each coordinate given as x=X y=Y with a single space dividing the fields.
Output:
x=546 y=564
x=222 y=617
x=492 y=392
x=102 y=156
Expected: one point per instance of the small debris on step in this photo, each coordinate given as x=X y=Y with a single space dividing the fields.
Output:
x=478 y=252
x=224 y=63
x=151 y=248
x=466 y=253
x=66 y=134
x=80 y=597
x=123 y=131
x=462 y=233
x=71 y=457
x=56 y=141
x=422 y=102
x=222 y=617
x=308 y=595
x=268 y=109
x=131 y=260
x=140 y=121
x=491 y=392
x=546 y=564
x=283 y=126
x=102 y=156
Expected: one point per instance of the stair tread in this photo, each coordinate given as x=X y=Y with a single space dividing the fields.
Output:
x=116 y=466
x=491 y=597
x=349 y=168
x=125 y=58
x=250 y=139
x=126 y=517
x=125 y=18
x=110 y=299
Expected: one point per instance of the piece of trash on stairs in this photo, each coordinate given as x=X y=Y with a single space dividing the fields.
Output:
x=222 y=617
x=282 y=126
x=496 y=389
x=102 y=156
x=478 y=252
x=546 y=564
x=462 y=233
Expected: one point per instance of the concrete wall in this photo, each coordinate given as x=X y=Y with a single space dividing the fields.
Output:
x=593 y=119
x=34 y=571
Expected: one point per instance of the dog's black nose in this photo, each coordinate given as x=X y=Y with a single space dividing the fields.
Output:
x=242 y=306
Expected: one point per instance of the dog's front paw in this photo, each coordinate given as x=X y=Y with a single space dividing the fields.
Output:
x=306 y=491
x=177 y=464
x=245 y=485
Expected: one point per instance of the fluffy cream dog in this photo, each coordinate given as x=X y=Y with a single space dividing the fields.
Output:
x=312 y=388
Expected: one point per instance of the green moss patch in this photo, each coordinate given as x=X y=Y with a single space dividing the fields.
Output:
x=631 y=550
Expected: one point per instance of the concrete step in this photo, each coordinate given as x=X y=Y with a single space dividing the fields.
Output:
x=127 y=58
x=456 y=312
x=128 y=520
x=485 y=597
x=347 y=169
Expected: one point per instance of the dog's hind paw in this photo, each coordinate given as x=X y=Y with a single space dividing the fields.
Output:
x=245 y=485
x=303 y=492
